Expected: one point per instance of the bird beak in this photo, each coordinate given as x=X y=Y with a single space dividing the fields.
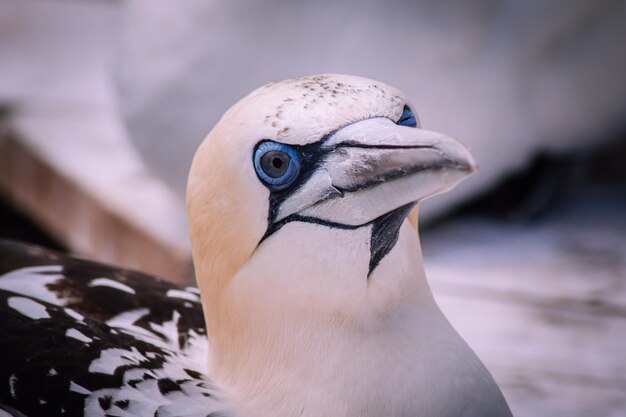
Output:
x=375 y=166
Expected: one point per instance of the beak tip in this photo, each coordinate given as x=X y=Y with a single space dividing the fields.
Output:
x=472 y=167
x=466 y=167
x=459 y=154
x=467 y=160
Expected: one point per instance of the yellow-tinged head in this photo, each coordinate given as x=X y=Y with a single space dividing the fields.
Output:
x=298 y=195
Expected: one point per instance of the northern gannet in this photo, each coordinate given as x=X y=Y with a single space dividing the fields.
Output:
x=302 y=206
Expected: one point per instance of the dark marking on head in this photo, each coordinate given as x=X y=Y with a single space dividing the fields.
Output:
x=324 y=90
x=385 y=229
x=385 y=232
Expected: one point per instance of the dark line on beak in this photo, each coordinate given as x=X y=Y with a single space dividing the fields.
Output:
x=354 y=144
x=390 y=176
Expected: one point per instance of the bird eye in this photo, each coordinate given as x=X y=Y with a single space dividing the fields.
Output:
x=407 y=118
x=277 y=165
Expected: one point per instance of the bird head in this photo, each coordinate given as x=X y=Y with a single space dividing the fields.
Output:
x=304 y=178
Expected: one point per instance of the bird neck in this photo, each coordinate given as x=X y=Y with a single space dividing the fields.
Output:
x=301 y=306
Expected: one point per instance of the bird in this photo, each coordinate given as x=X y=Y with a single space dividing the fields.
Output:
x=311 y=295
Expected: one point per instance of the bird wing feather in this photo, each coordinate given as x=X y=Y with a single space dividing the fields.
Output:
x=83 y=338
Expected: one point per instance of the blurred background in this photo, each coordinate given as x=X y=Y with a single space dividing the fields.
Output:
x=103 y=102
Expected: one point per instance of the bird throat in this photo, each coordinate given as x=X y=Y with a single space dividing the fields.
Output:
x=385 y=231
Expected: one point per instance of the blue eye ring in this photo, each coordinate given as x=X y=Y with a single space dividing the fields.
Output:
x=276 y=164
x=407 y=118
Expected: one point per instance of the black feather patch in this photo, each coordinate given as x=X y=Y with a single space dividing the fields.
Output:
x=166 y=386
x=75 y=333
x=385 y=231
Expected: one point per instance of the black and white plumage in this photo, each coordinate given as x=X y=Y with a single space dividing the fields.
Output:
x=302 y=206
x=83 y=337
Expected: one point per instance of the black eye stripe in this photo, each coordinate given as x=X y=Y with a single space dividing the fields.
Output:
x=385 y=229
x=312 y=155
